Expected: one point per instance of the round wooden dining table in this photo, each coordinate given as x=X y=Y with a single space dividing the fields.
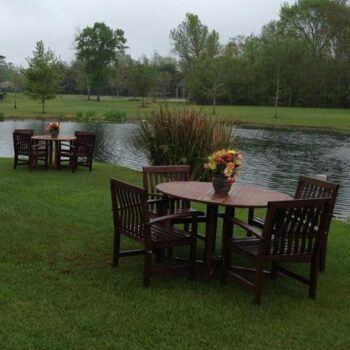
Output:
x=240 y=196
x=53 y=146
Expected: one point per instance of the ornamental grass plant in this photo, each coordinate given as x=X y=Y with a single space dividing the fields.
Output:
x=185 y=135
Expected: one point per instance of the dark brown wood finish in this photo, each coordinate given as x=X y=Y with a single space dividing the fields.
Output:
x=27 y=151
x=78 y=152
x=308 y=188
x=53 y=146
x=154 y=175
x=131 y=218
x=25 y=131
x=294 y=231
x=240 y=196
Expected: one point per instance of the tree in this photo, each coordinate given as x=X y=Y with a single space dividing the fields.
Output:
x=142 y=77
x=96 y=48
x=42 y=77
x=207 y=80
x=192 y=40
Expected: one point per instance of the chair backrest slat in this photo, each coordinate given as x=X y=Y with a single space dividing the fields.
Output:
x=130 y=211
x=22 y=142
x=154 y=175
x=315 y=188
x=295 y=227
x=86 y=142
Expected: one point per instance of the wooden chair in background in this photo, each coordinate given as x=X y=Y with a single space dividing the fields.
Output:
x=294 y=231
x=131 y=218
x=78 y=152
x=28 y=152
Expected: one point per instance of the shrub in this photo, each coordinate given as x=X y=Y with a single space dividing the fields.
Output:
x=90 y=114
x=183 y=136
x=79 y=115
x=2 y=116
x=115 y=115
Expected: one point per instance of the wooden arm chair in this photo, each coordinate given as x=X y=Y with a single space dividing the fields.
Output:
x=78 y=152
x=308 y=188
x=131 y=218
x=154 y=175
x=294 y=231
x=27 y=151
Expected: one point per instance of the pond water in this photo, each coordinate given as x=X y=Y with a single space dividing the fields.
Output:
x=273 y=158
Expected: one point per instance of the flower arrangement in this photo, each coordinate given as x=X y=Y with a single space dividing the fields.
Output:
x=226 y=162
x=53 y=126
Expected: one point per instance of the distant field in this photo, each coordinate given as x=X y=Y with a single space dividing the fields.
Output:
x=77 y=107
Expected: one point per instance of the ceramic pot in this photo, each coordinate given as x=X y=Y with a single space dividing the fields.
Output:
x=54 y=133
x=221 y=184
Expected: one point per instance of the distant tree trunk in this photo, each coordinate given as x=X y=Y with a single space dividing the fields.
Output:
x=214 y=104
x=88 y=88
x=15 y=101
x=98 y=98
x=143 y=101
x=277 y=91
x=43 y=104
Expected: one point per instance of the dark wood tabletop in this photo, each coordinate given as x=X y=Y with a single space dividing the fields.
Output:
x=240 y=196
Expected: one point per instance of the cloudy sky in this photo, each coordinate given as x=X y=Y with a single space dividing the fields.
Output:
x=146 y=23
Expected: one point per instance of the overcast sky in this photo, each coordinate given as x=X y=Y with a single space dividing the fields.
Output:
x=146 y=23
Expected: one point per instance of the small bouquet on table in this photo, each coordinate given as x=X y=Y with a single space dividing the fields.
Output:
x=224 y=165
x=54 y=129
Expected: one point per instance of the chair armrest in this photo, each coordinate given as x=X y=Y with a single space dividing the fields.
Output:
x=170 y=217
x=245 y=226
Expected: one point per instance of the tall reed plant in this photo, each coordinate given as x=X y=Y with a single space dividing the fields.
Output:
x=173 y=136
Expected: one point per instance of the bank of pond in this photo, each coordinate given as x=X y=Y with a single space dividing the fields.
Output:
x=273 y=158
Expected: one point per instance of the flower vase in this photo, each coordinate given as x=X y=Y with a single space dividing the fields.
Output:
x=54 y=132
x=221 y=184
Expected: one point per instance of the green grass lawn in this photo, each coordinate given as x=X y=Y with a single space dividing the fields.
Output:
x=58 y=290
x=68 y=106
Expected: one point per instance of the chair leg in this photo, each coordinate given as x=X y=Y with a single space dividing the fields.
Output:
x=147 y=268
x=323 y=255
x=274 y=269
x=314 y=267
x=258 y=282
x=227 y=234
x=193 y=254
x=225 y=264
x=116 y=250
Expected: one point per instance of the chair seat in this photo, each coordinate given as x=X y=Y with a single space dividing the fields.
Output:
x=201 y=217
x=250 y=246
x=161 y=235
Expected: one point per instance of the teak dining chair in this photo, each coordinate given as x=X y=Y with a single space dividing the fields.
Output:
x=308 y=188
x=78 y=152
x=294 y=231
x=27 y=152
x=154 y=175
x=131 y=218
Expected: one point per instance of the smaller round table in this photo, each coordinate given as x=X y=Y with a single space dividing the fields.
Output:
x=53 y=160
x=240 y=196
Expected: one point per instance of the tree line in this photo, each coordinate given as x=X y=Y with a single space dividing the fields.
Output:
x=301 y=59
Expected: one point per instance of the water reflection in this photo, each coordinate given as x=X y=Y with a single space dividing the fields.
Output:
x=273 y=158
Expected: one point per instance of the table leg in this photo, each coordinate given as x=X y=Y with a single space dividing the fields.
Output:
x=57 y=153
x=227 y=233
x=50 y=154
x=210 y=230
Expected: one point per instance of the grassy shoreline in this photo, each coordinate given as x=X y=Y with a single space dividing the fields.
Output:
x=76 y=108
x=58 y=291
